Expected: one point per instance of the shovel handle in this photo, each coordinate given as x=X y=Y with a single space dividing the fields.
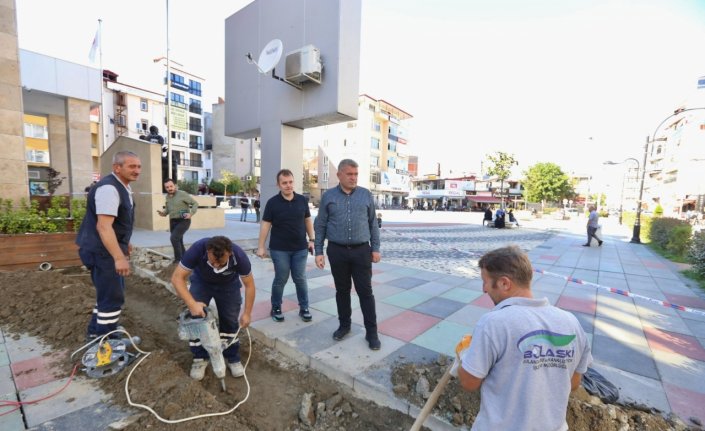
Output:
x=431 y=402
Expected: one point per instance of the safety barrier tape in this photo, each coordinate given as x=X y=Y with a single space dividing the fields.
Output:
x=570 y=279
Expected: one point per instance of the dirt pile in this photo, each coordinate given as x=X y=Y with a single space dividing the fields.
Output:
x=414 y=382
x=56 y=306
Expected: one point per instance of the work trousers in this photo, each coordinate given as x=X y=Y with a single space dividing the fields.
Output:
x=228 y=300
x=109 y=290
x=350 y=264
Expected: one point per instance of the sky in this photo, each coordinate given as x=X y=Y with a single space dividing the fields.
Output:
x=573 y=82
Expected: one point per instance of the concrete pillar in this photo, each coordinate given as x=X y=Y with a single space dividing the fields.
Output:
x=282 y=147
x=13 y=165
x=58 y=150
x=80 y=159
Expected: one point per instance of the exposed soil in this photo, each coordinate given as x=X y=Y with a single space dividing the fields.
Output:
x=56 y=305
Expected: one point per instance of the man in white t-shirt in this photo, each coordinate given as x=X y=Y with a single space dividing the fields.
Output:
x=526 y=355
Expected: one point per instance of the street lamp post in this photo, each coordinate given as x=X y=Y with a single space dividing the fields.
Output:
x=637 y=222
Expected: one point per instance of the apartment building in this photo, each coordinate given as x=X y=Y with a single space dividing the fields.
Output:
x=378 y=141
x=242 y=157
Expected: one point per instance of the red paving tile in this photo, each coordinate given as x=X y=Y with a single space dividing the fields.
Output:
x=483 y=301
x=687 y=301
x=576 y=304
x=39 y=370
x=407 y=325
x=672 y=342
x=685 y=403
x=549 y=257
x=653 y=264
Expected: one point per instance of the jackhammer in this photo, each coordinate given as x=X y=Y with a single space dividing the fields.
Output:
x=206 y=330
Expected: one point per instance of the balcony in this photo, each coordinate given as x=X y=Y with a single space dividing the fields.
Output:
x=195 y=145
x=178 y=104
x=195 y=109
x=181 y=86
x=191 y=163
x=195 y=127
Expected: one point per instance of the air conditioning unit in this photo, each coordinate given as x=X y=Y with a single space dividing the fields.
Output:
x=248 y=178
x=304 y=65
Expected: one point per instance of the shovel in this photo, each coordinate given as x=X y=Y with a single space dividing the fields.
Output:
x=431 y=402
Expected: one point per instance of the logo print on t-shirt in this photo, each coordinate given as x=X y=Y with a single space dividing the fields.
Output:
x=544 y=348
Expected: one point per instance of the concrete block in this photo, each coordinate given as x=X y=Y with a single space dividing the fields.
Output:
x=97 y=417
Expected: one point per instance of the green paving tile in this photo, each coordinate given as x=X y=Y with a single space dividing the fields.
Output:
x=461 y=295
x=329 y=305
x=407 y=299
x=443 y=337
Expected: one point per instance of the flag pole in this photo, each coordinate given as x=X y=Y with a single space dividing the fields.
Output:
x=101 y=120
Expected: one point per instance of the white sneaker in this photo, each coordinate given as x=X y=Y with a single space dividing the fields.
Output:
x=198 y=369
x=236 y=369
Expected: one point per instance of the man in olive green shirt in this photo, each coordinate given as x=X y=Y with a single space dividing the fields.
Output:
x=180 y=206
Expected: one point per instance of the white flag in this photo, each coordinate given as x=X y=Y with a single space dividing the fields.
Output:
x=95 y=46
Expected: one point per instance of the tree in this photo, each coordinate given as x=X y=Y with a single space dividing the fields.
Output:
x=250 y=186
x=501 y=168
x=55 y=180
x=230 y=181
x=547 y=182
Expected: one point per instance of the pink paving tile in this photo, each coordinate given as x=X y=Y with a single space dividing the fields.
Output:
x=549 y=257
x=653 y=264
x=685 y=403
x=40 y=370
x=687 y=301
x=262 y=308
x=676 y=343
x=407 y=325
x=483 y=301
x=576 y=304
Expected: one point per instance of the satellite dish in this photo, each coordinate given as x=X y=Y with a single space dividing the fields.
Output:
x=270 y=56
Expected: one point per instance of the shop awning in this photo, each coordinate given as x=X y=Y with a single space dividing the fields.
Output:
x=484 y=199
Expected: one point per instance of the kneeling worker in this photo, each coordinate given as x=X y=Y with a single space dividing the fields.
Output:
x=213 y=266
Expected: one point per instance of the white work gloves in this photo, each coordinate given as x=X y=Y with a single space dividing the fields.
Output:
x=459 y=349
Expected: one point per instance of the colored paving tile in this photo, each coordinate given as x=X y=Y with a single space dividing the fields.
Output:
x=442 y=337
x=461 y=295
x=548 y=257
x=331 y=307
x=94 y=417
x=406 y=282
x=408 y=299
x=484 y=301
x=653 y=264
x=587 y=321
x=439 y=307
x=577 y=304
x=407 y=325
x=686 y=301
x=686 y=403
x=432 y=288
x=628 y=357
x=685 y=345
x=39 y=370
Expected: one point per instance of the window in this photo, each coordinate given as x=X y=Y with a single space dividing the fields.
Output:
x=38 y=131
x=324 y=177
x=177 y=78
x=392 y=146
x=376 y=126
x=374 y=177
x=177 y=97
x=374 y=161
x=194 y=87
x=194 y=176
x=371 y=107
x=374 y=144
x=325 y=161
x=121 y=121
x=144 y=105
x=208 y=173
x=391 y=162
x=37 y=156
x=143 y=125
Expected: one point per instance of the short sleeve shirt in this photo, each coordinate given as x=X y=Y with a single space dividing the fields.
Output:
x=288 y=219
x=196 y=259
x=107 y=199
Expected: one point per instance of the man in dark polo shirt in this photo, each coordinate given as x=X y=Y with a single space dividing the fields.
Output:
x=288 y=218
x=346 y=217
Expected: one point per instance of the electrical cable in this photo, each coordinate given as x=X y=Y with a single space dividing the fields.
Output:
x=18 y=404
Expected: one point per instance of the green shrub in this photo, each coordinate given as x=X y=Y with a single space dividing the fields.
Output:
x=217 y=187
x=628 y=220
x=78 y=211
x=679 y=240
x=658 y=211
x=28 y=218
x=696 y=253
x=604 y=213
x=189 y=186
x=662 y=230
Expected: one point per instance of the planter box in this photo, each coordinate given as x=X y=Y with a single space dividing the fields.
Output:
x=28 y=251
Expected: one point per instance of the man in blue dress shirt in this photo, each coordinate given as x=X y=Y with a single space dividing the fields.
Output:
x=346 y=217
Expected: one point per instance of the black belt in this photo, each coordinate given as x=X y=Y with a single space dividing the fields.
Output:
x=349 y=246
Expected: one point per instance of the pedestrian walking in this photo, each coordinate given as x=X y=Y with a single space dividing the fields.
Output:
x=179 y=207
x=288 y=219
x=593 y=224
x=244 y=205
x=256 y=206
x=104 y=240
x=346 y=218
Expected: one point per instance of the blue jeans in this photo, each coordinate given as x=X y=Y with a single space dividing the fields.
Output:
x=228 y=300
x=284 y=263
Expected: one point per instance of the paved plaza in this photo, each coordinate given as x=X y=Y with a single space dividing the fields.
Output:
x=428 y=294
